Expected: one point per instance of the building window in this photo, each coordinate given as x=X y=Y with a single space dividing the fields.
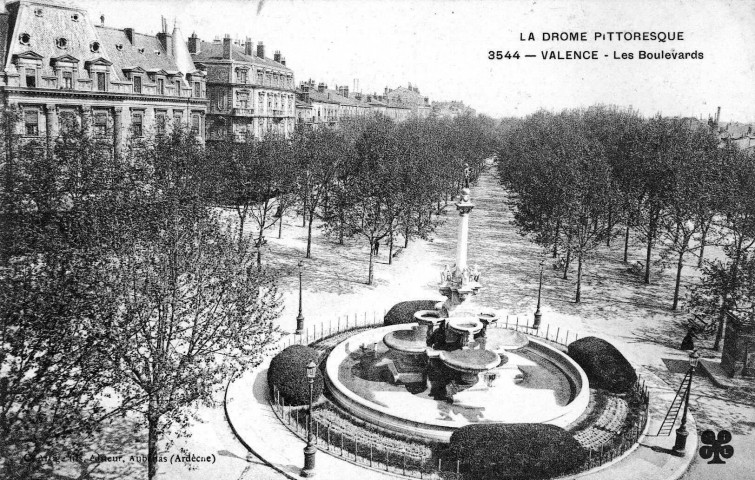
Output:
x=31 y=77
x=24 y=38
x=61 y=43
x=68 y=80
x=101 y=86
x=242 y=100
x=241 y=75
x=100 y=124
x=197 y=89
x=178 y=88
x=137 y=122
x=161 y=86
x=94 y=46
x=160 y=122
x=75 y=17
x=178 y=119
x=195 y=123
x=31 y=121
x=259 y=77
x=137 y=84
x=38 y=12
x=67 y=121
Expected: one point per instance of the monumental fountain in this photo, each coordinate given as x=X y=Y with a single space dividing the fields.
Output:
x=451 y=367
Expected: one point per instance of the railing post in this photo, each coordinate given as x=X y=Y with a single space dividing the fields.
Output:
x=547 y=330
x=558 y=331
x=356 y=449
x=328 y=436
x=342 y=444
x=370 y=455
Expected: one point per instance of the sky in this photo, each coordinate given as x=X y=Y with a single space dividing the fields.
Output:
x=442 y=47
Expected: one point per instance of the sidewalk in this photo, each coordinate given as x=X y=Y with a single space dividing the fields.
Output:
x=257 y=427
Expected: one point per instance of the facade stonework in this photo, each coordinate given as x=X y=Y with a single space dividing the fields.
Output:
x=58 y=65
x=249 y=94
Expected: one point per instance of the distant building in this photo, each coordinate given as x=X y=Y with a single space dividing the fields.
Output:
x=451 y=109
x=410 y=97
x=59 y=66
x=249 y=93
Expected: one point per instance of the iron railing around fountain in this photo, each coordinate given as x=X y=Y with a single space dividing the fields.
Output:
x=335 y=440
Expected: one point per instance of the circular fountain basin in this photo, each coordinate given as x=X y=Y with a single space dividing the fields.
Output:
x=464 y=325
x=412 y=341
x=538 y=384
x=488 y=317
x=470 y=361
x=429 y=317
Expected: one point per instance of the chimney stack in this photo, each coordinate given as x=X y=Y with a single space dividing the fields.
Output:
x=102 y=20
x=283 y=61
x=227 y=47
x=321 y=87
x=718 y=115
x=129 y=34
x=277 y=56
x=249 y=47
x=261 y=50
x=194 y=43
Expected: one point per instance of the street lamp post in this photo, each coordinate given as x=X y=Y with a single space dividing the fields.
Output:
x=310 y=449
x=681 y=432
x=538 y=314
x=300 y=317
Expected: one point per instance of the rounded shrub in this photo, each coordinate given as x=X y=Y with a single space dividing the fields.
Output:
x=604 y=365
x=288 y=371
x=403 y=312
x=515 y=451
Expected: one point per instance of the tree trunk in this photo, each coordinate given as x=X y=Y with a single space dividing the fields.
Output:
x=626 y=244
x=568 y=260
x=730 y=289
x=679 y=267
x=153 y=422
x=241 y=232
x=304 y=214
x=280 y=226
x=555 y=239
x=406 y=236
x=390 y=247
x=369 y=272
x=578 y=297
x=309 y=234
x=610 y=227
x=703 y=239
x=648 y=256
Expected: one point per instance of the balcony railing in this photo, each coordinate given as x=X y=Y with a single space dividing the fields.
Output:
x=277 y=113
x=243 y=112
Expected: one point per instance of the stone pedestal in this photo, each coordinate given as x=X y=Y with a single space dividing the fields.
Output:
x=738 y=356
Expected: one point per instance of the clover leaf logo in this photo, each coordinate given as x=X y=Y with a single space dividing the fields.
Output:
x=716 y=446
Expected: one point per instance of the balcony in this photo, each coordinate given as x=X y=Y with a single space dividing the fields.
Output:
x=276 y=112
x=243 y=112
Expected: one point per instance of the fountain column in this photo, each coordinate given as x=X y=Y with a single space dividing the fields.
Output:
x=464 y=207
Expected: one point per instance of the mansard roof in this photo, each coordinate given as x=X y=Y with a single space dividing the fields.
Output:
x=210 y=51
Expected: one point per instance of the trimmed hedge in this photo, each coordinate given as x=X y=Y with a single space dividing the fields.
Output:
x=516 y=451
x=403 y=312
x=288 y=370
x=604 y=365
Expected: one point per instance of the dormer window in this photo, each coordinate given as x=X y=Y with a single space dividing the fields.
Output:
x=24 y=39
x=68 y=80
x=157 y=52
x=38 y=12
x=161 y=86
x=197 y=89
x=75 y=17
x=137 y=84
x=61 y=43
x=94 y=47
x=119 y=46
x=101 y=83
x=31 y=77
x=241 y=75
x=141 y=50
